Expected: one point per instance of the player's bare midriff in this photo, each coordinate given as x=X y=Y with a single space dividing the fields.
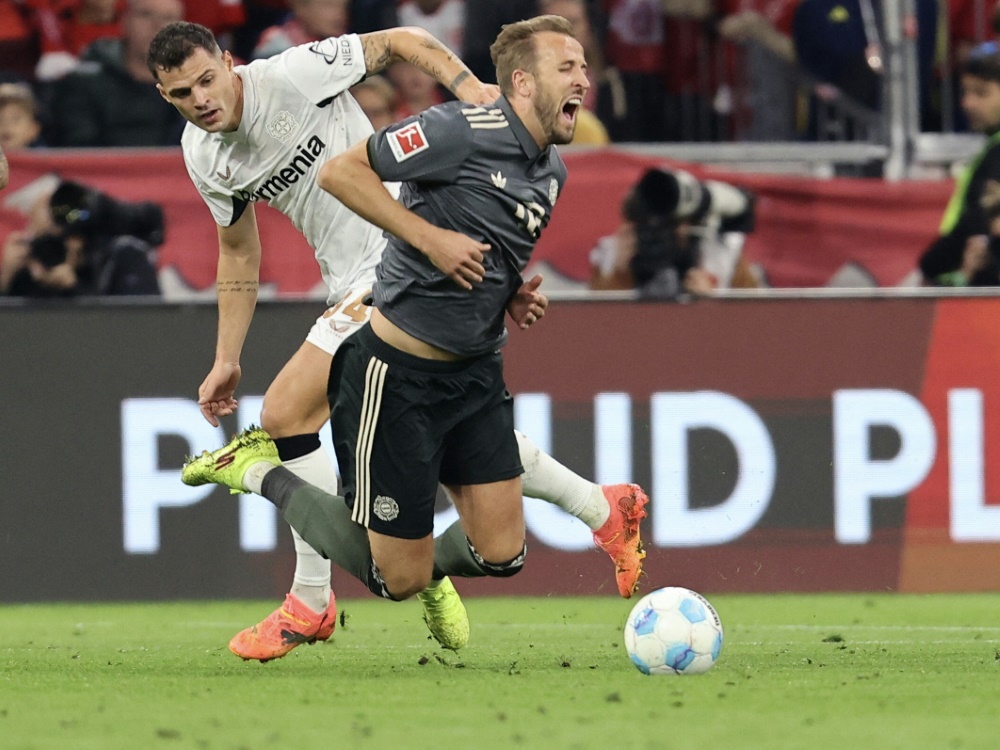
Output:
x=396 y=337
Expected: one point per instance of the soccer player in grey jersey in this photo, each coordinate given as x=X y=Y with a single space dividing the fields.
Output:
x=238 y=158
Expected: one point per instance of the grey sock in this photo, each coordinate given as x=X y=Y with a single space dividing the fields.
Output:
x=323 y=520
x=452 y=555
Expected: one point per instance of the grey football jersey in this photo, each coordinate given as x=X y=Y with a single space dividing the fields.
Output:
x=474 y=170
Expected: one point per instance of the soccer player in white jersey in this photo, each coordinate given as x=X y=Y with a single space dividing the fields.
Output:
x=261 y=132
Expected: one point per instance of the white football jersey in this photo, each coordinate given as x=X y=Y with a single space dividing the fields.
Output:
x=297 y=114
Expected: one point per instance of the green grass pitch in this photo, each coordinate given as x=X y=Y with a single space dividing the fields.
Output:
x=817 y=672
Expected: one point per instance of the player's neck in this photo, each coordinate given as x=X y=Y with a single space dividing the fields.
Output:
x=525 y=112
x=238 y=106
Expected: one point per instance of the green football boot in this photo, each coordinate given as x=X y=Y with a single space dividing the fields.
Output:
x=445 y=614
x=227 y=466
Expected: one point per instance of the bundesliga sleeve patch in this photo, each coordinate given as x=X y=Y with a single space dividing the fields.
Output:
x=407 y=141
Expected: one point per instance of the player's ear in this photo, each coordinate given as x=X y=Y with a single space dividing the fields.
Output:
x=163 y=93
x=523 y=82
x=227 y=60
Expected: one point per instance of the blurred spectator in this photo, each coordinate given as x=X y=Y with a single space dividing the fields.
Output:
x=832 y=42
x=590 y=131
x=111 y=99
x=838 y=42
x=221 y=16
x=483 y=19
x=311 y=20
x=4 y=171
x=635 y=53
x=67 y=27
x=698 y=104
x=373 y=15
x=678 y=235
x=415 y=90
x=377 y=98
x=19 y=123
x=18 y=43
x=259 y=15
x=761 y=64
x=445 y=19
x=81 y=242
x=959 y=257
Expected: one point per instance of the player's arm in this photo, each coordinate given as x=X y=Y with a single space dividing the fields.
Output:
x=349 y=177
x=422 y=49
x=237 y=282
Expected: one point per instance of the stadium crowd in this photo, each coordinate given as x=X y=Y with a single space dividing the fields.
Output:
x=661 y=70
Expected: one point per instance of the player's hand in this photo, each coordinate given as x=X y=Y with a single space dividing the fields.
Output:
x=527 y=306
x=976 y=255
x=457 y=256
x=474 y=91
x=215 y=394
x=62 y=276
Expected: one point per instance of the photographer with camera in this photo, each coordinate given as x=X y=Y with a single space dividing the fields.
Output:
x=81 y=242
x=678 y=235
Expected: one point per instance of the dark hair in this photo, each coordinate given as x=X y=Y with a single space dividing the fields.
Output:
x=175 y=43
x=514 y=48
x=983 y=62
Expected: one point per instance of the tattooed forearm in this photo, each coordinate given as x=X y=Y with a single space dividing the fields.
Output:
x=378 y=51
x=457 y=81
x=426 y=65
x=237 y=286
x=418 y=48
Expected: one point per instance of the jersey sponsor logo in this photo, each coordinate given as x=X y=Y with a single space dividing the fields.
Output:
x=328 y=57
x=282 y=126
x=481 y=118
x=408 y=141
x=346 y=52
x=553 y=191
x=499 y=180
x=305 y=156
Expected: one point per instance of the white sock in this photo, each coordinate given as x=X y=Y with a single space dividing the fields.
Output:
x=253 y=478
x=547 y=479
x=311 y=582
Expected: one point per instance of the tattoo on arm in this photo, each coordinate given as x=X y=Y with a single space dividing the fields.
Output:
x=378 y=51
x=237 y=286
x=457 y=81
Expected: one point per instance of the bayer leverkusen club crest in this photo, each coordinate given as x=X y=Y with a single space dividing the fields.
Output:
x=408 y=141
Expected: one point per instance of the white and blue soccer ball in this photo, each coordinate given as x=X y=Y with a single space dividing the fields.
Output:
x=673 y=630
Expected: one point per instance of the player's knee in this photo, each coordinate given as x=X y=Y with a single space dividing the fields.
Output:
x=276 y=418
x=281 y=415
x=397 y=583
x=506 y=568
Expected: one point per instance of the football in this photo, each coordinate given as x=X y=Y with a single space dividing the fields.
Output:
x=673 y=631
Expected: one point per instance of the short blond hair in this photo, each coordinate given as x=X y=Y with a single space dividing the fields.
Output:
x=514 y=48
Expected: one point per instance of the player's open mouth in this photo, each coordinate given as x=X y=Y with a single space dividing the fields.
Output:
x=571 y=107
x=210 y=115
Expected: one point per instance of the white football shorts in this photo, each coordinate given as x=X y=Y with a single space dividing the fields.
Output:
x=340 y=321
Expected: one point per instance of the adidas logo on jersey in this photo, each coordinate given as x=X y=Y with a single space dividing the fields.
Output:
x=284 y=178
x=499 y=180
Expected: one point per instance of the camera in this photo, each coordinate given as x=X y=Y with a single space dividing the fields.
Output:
x=78 y=209
x=680 y=196
x=673 y=212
